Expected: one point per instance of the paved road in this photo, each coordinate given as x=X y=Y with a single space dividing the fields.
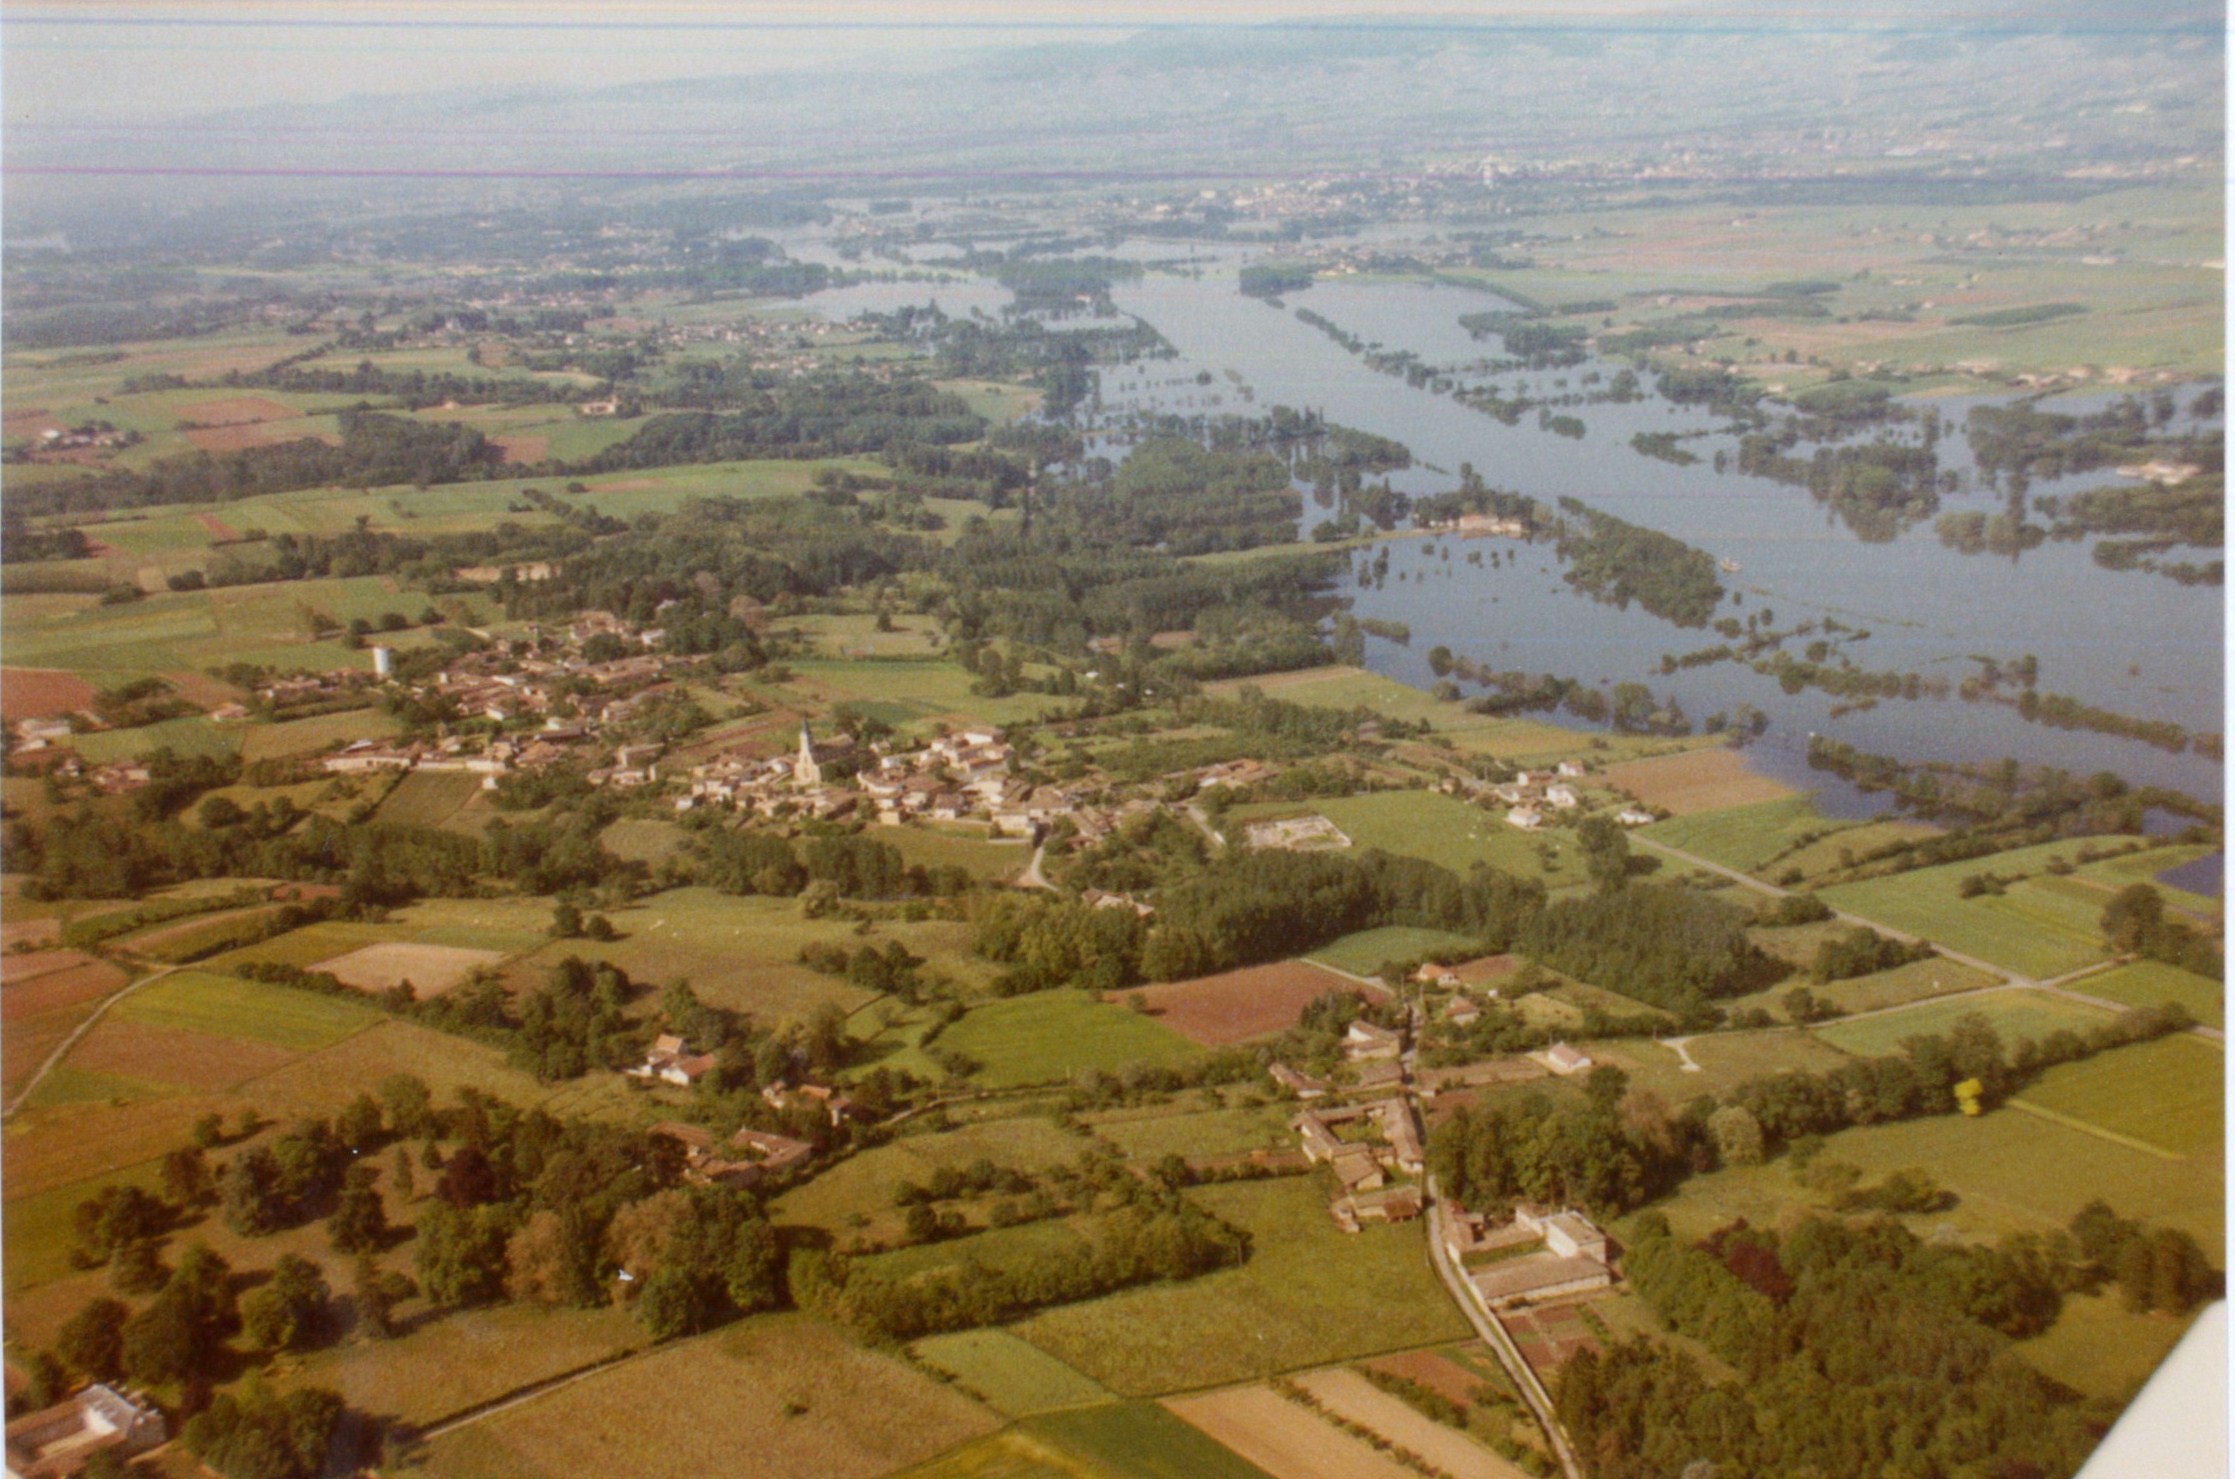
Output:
x=1494 y=1335
x=2055 y=986
x=72 y=1040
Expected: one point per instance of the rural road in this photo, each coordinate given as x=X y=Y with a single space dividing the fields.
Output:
x=1494 y=1335
x=77 y=1033
x=1195 y=815
x=1033 y=877
x=2054 y=986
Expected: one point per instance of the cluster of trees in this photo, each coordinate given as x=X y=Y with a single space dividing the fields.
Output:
x=1615 y=561
x=1160 y=1236
x=1173 y=492
x=84 y=854
x=2004 y=804
x=2135 y=922
x=1856 y=1348
x=1540 y=346
x=1666 y=946
x=1876 y=488
x=375 y=449
x=262 y=1435
x=1924 y=1077
x=853 y=866
x=1615 y=1151
x=1861 y=952
x=824 y=416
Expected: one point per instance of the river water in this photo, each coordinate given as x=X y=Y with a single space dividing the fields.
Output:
x=2127 y=641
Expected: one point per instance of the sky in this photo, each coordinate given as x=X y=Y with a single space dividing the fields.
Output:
x=84 y=63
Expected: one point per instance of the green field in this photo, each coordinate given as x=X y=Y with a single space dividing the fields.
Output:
x=1917 y=981
x=1366 y=952
x=918 y=689
x=1744 y=837
x=929 y=845
x=2143 y=867
x=2010 y=1171
x=2015 y=1013
x=1446 y=831
x=315 y=735
x=1050 y=1035
x=2099 y=1349
x=1017 y=1379
x=464 y=1359
x=226 y=1006
x=2169 y=1093
x=1309 y=1294
x=1150 y=1133
x=643 y=840
x=1726 y=1060
x=2146 y=983
x=996 y=1248
x=1140 y=1440
x=861 y=1185
x=2042 y=927
x=192 y=735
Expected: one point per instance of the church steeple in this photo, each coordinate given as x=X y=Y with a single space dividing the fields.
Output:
x=806 y=772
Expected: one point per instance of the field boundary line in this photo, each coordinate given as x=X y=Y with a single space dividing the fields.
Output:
x=77 y=1034
x=2071 y=1122
x=531 y=1391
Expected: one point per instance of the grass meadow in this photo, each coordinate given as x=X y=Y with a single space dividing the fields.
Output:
x=1050 y=1035
x=2041 y=927
x=1308 y=1295
x=2014 y=1012
x=1014 y=1377
x=2146 y=983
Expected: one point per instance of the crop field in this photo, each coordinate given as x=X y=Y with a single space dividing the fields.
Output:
x=431 y=970
x=2169 y=1093
x=247 y=1011
x=2010 y=1172
x=854 y=634
x=1139 y=1440
x=463 y=1359
x=1702 y=780
x=2015 y=1012
x=1309 y=1294
x=1366 y=952
x=1200 y=1135
x=1284 y=1439
x=1521 y=741
x=192 y=735
x=32 y=693
x=2146 y=983
x=1349 y=1395
x=428 y=798
x=791 y=1392
x=1050 y=1035
x=2034 y=929
x=1010 y=1454
x=1236 y=1006
x=862 y=1184
x=1451 y=1371
x=1015 y=1378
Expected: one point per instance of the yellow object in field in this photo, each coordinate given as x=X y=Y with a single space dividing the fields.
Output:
x=1967 y=1095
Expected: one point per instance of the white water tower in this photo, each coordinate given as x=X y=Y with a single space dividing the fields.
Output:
x=384 y=662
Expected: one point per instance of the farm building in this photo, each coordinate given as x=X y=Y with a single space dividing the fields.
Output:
x=60 y=1440
x=1366 y=1043
x=671 y=1061
x=1302 y=1085
x=1563 y=1060
x=1570 y=1256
